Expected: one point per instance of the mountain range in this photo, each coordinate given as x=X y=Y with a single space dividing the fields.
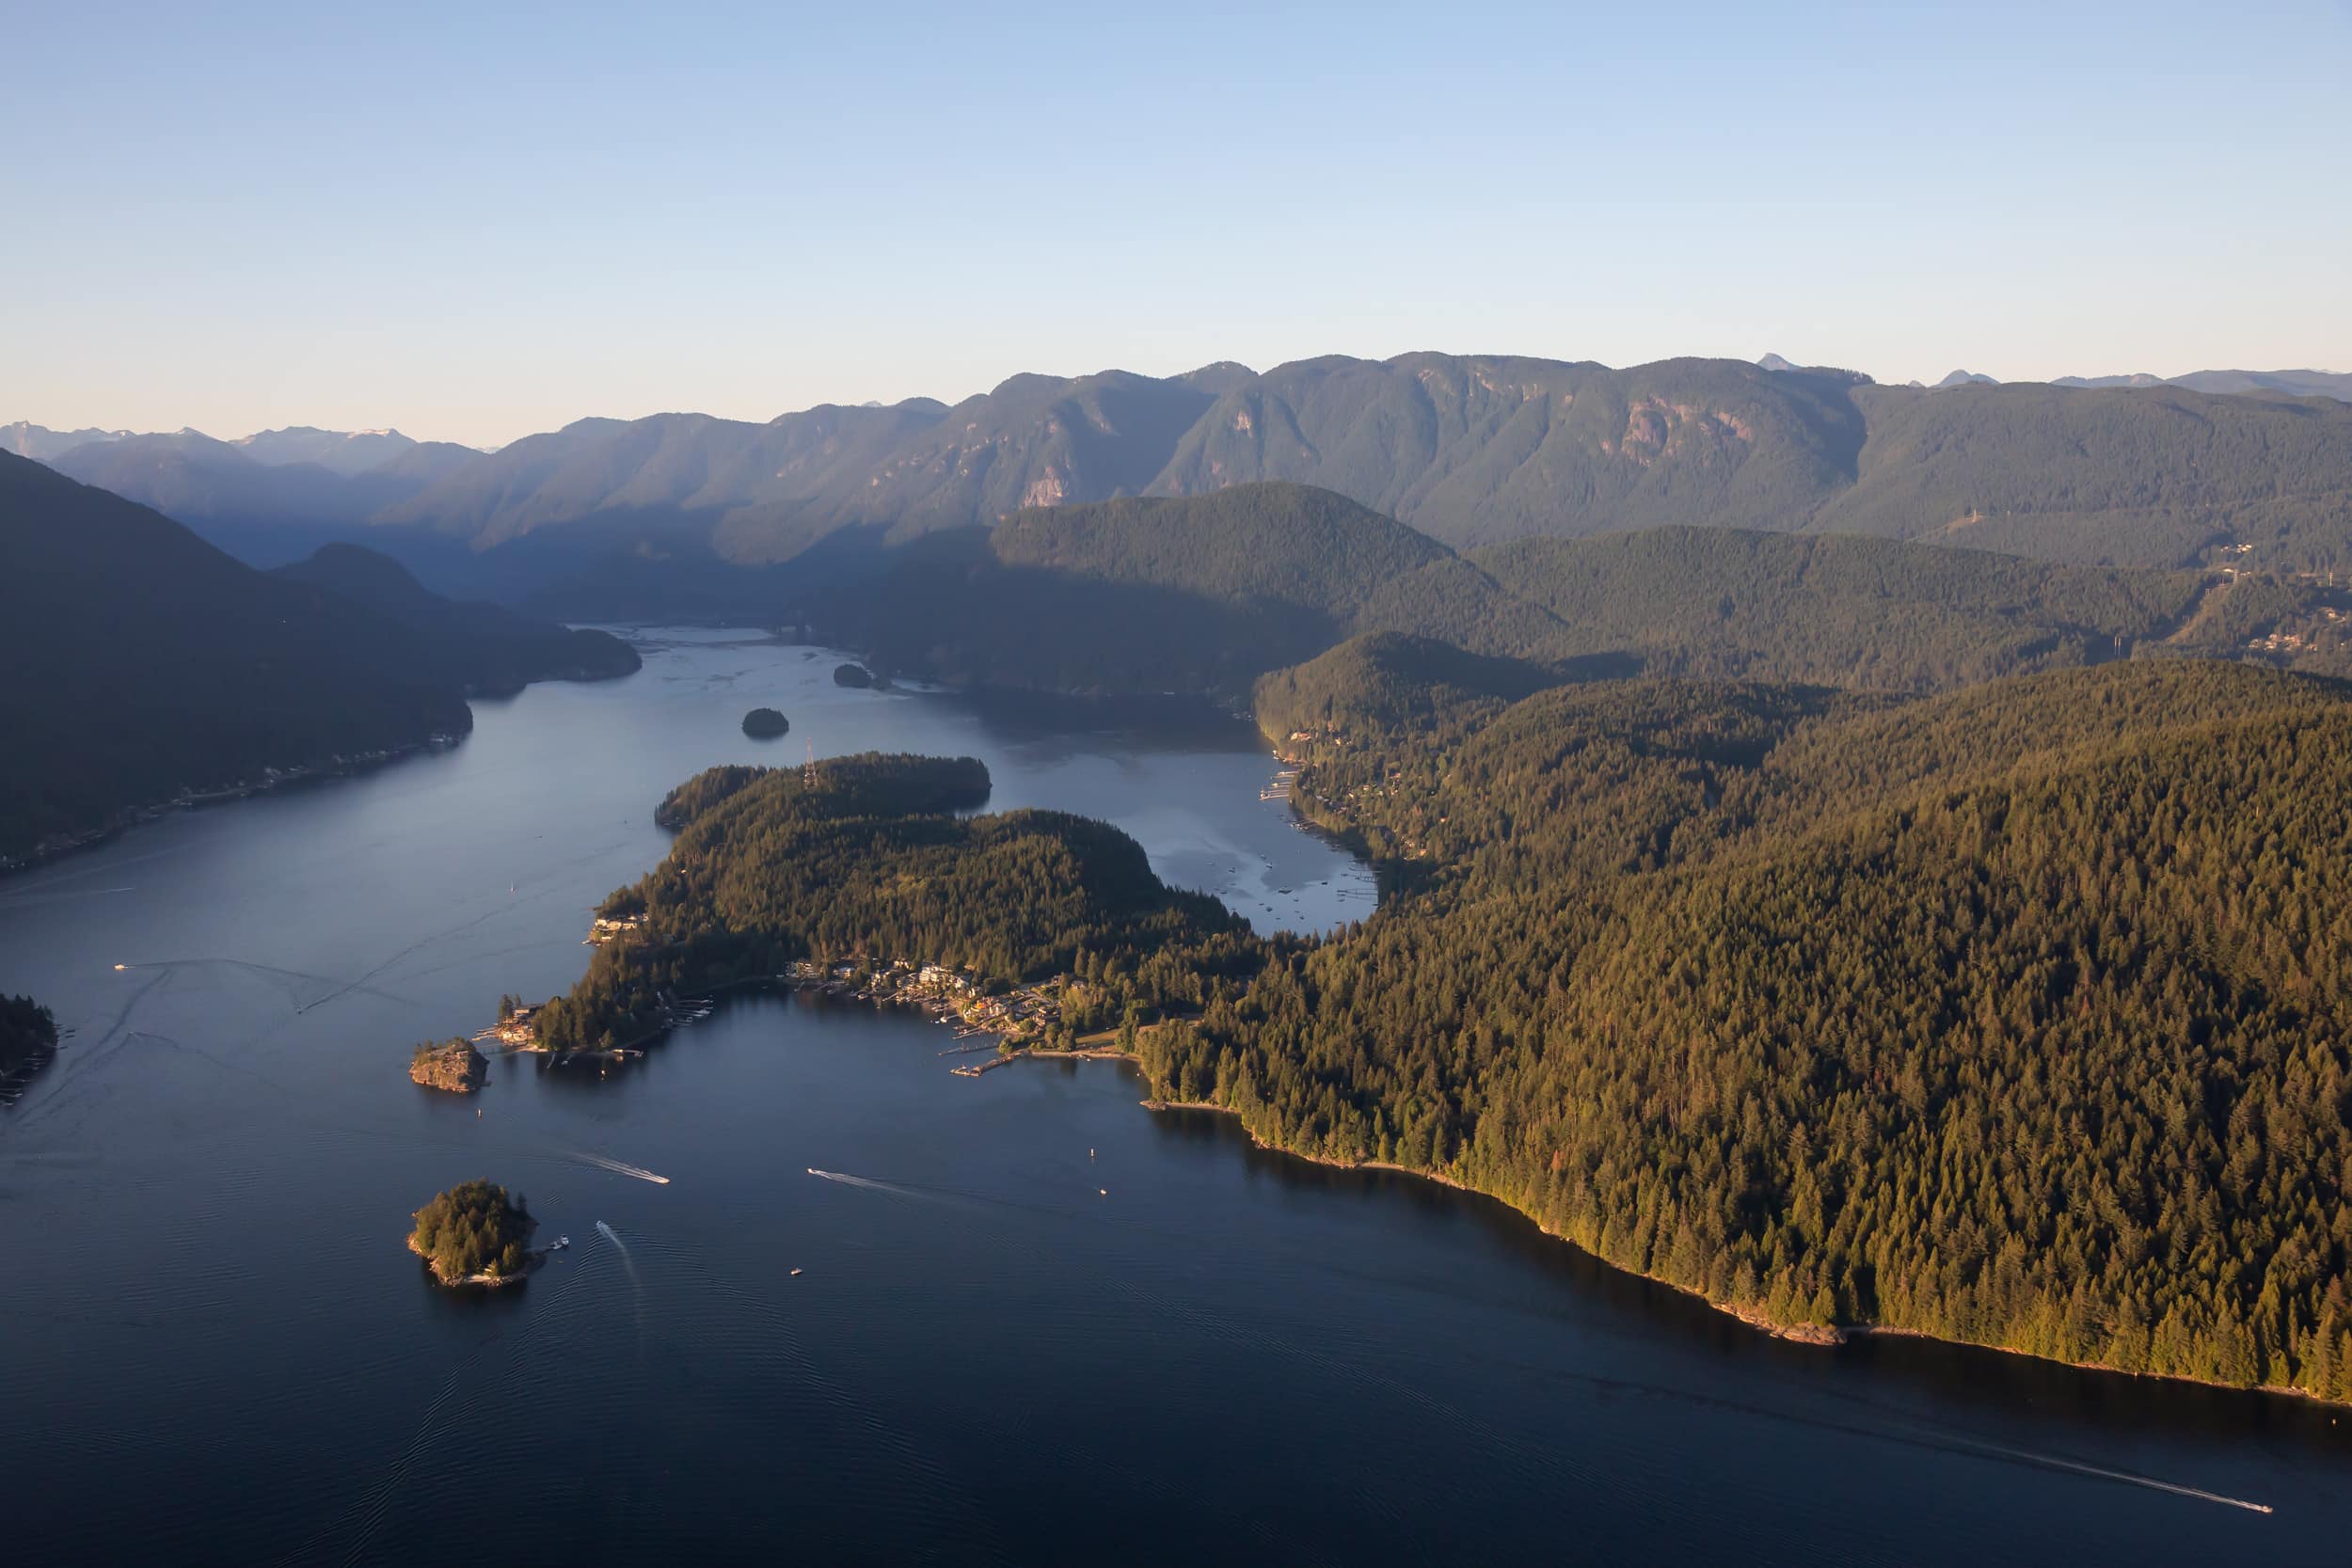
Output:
x=2294 y=384
x=638 y=516
x=1206 y=593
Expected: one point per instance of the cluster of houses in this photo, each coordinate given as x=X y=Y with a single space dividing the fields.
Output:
x=942 y=992
x=513 y=1027
x=606 y=930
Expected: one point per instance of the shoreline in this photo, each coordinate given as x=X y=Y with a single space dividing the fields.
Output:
x=1823 y=1337
x=1798 y=1334
x=533 y=1259
x=272 y=779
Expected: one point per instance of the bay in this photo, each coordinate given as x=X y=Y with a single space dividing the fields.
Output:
x=1032 y=1322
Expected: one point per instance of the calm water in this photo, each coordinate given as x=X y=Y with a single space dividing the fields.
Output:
x=1043 y=1325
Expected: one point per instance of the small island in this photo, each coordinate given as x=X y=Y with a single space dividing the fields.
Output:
x=765 y=723
x=474 y=1234
x=453 y=1065
x=852 y=674
x=28 y=1032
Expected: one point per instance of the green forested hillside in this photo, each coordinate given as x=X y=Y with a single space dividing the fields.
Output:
x=1205 y=594
x=141 y=661
x=482 y=649
x=1838 y=612
x=1386 y=683
x=1278 y=544
x=1193 y=594
x=2012 y=1016
x=2154 y=477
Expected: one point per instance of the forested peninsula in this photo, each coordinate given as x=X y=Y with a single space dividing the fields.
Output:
x=2015 y=1016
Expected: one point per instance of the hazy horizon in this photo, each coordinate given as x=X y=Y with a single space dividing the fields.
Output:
x=233 y=436
x=269 y=216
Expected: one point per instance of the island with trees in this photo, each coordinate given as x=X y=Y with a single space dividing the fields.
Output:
x=452 y=1065
x=28 y=1033
x=852 y=676
x=765 y=723
x=475 y=1233
x=2016 y=1015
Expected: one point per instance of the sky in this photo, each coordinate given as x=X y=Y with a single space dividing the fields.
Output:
x=475 y=222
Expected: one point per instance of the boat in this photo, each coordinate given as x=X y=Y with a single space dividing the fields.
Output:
x=561 y=1243
x=796 y=1271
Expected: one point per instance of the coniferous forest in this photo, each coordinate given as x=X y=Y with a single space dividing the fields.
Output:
x=27 y=1030
x=2015 y=1015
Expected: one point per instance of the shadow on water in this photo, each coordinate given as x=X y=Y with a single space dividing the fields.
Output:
x=1077 y=722
x=1896 y=1370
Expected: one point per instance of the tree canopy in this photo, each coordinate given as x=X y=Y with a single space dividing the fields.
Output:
x=474 y=1230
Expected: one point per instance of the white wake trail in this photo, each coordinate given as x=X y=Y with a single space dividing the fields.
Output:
x=619 y=1168
x=2053 y=1462
x=888 y=1189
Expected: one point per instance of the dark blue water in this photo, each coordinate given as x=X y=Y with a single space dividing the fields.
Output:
x=1041 y=1324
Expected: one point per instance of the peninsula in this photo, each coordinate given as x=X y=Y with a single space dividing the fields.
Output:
x=1948 y=1015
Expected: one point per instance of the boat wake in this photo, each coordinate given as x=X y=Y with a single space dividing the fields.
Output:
x=2051 y=1461
x=636 y=1286
x=889 y=1189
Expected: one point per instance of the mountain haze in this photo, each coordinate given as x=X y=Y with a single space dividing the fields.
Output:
x=342 y=451
x=2294 y=384
x=143 y=662
x=1469 y=449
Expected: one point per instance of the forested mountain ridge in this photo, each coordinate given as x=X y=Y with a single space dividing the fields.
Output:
x=1389 y=684
x=1208 y=592
x=145 y=664
x=486 y=649
x=1473 y=449
x=1869 y=613
x=763 y=492
x=1199 y=594
x=2153 y=477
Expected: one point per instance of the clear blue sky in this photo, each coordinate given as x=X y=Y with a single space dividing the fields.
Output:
x=474 y=222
